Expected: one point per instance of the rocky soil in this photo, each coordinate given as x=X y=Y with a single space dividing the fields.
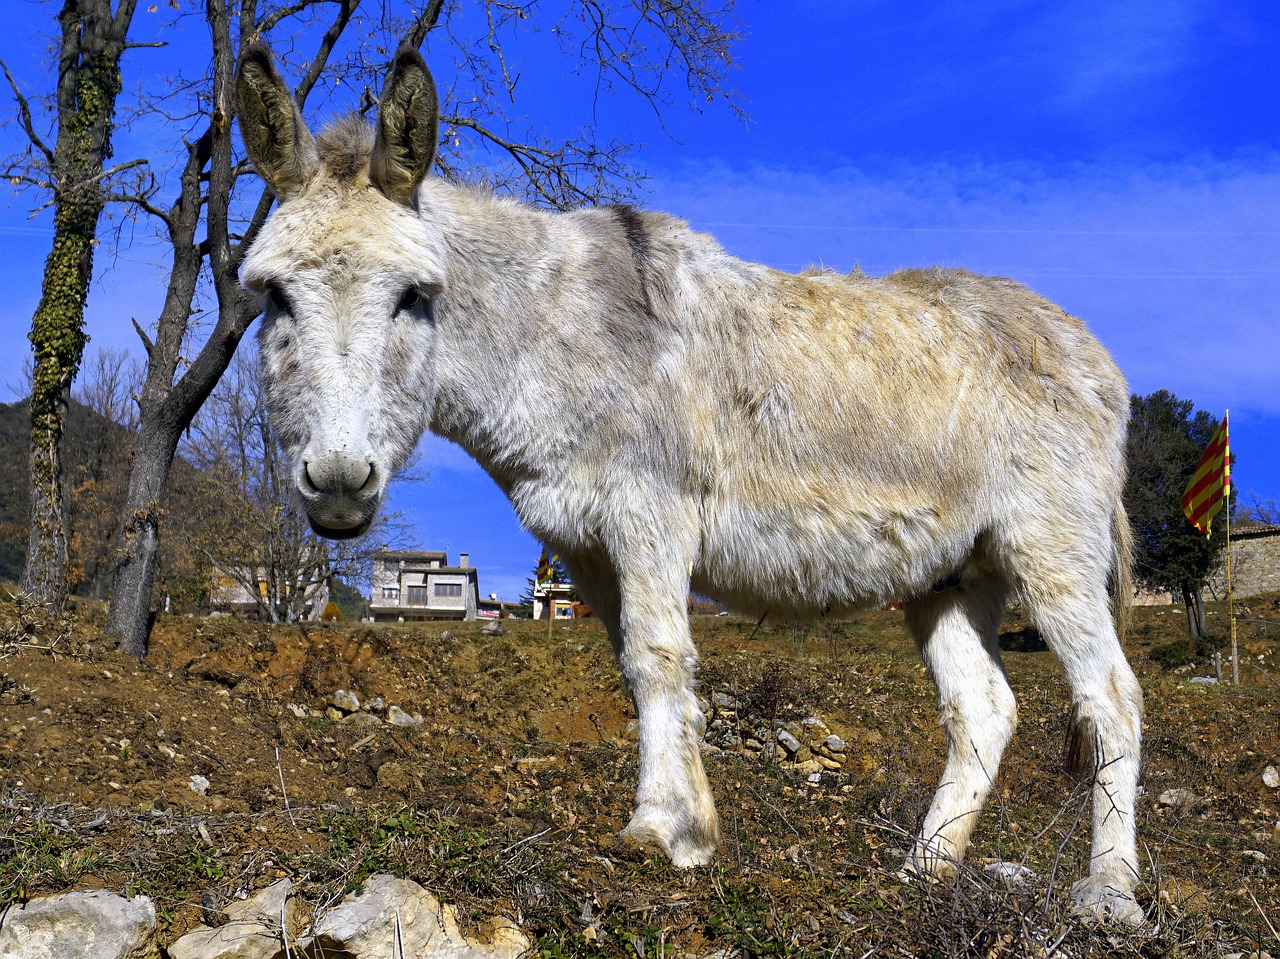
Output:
x=496 y=771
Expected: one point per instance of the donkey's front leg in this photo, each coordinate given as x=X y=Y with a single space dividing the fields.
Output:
x=674 y=808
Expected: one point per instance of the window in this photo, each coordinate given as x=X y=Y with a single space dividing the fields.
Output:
x=390 y=592
x=416 y=595
x=448 y=589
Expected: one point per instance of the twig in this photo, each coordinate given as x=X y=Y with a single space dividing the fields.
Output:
x=1274 y=934
x=284 y=932
x=521 y=842
x=285 y=793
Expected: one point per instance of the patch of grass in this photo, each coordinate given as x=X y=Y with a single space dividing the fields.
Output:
x=37 y=855
x=435 y=849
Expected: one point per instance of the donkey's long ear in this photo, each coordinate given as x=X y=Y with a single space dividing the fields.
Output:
x=278 y=141
x=407 y=119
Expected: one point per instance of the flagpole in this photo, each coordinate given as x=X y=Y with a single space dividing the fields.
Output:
x=1231 y=609
x=1231 y=612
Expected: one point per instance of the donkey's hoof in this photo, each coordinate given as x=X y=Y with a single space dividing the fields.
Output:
x=682 y=847
x=1097 y=900
x=927 y=864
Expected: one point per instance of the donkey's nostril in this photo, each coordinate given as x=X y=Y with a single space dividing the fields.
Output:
x=308 y=484
x=370 y=481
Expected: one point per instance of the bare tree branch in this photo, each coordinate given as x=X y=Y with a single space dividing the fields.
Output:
x=24 y=112
x=423 y=24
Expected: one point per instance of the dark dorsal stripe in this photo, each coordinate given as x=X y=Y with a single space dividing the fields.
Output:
x=632 y=222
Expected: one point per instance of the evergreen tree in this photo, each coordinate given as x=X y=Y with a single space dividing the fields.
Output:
x=1167 y=436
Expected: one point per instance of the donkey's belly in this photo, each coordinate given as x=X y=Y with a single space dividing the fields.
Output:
x=816 y=559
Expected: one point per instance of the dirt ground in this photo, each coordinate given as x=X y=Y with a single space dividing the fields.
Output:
x=212 y=767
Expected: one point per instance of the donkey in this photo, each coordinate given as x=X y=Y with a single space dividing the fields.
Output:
x=798 y=444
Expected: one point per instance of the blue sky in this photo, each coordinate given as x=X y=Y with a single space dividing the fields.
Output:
x=1122 y=159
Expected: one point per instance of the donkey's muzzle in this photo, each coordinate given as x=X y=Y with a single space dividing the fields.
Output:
x=340 y=492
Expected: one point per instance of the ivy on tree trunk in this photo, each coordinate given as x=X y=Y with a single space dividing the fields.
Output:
x=93 y=40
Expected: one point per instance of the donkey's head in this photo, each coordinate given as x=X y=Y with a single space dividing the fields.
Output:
x=347 y=270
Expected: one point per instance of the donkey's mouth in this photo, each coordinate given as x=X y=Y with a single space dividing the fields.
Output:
x=345 y=532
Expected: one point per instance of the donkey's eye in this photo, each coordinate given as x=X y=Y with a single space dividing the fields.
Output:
x=409 y=300
x=278 y=299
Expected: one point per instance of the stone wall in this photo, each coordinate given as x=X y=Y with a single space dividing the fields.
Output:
x=1255 y=566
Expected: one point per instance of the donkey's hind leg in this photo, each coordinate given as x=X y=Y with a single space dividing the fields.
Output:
x=957 y=632
x=1106 y=716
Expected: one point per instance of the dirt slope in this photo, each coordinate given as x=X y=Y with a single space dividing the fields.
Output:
x=509 y=795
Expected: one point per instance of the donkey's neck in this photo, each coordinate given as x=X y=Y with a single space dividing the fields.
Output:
x=524 y=286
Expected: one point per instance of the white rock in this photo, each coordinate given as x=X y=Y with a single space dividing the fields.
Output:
x=1271 y=777
x=1013 y=873
x=252 y=930
x=1177 y=798
x=73 y=925
x=788 y=741
x=834 y=743
x=724 y=701
x=398 y=717
x=199 y=784
x=344 y=700
x=387 y=909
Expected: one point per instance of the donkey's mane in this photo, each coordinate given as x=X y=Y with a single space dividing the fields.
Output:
x=345 y=145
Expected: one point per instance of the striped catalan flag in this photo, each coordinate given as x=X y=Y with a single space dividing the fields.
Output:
x=1210 y=485
x=546 y=567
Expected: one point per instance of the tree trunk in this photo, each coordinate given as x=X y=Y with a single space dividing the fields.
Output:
x=93 y=41
x=44 y=575
x=1193 y=602
x=129 y=616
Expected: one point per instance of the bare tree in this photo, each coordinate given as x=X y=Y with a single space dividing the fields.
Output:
x=72 y=172
x=1260 y=512
x=170 y=397
x=110 y=385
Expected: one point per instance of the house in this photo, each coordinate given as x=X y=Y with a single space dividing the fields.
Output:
x=553 y=599
x=229 y=594
x=415 y=585
x=494 y=608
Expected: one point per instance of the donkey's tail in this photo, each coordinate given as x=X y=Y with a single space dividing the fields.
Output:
x=1122 y=571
